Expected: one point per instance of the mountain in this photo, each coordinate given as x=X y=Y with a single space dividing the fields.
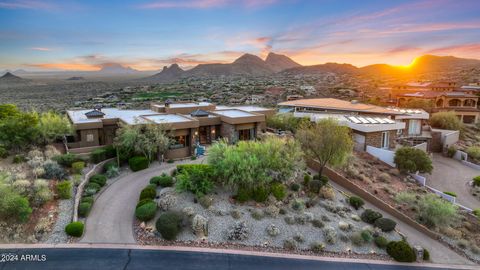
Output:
x=9 y=78
x=115 y=68
x=247 y=64
x=279 y=62
x=323 y=68
x=168 y=74
x=432 y=63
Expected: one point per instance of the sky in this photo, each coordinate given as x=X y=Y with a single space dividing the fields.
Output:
x=149 y=34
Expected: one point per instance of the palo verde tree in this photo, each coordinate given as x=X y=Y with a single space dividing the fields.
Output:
x=17 y=129
x=327 y=142
x=412 y=160
x=53 y=126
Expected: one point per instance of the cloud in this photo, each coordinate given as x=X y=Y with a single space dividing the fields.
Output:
x=465 y=50
x=27 y=4
x=67 y=66
x=42 y=49
x=204 y=4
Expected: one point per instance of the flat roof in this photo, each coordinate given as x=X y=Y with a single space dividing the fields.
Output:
x=234 y=113
x=167 y=118
x=243 y=108
x=128 y=116
x=337 y=104
x=183 y=105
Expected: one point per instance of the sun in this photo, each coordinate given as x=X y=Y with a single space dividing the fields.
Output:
x=409 y=65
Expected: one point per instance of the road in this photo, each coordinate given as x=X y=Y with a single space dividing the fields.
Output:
x=105 y=259
x=111 y=218
x=451 y=175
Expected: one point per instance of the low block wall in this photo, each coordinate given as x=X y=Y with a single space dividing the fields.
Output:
x=354 y=188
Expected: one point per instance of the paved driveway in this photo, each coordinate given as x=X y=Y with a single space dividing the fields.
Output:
x=112 y=216
x=451 y=175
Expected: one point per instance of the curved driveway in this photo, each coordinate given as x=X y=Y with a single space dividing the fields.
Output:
x=112 y=216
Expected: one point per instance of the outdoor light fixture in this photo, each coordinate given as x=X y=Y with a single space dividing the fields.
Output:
x=213 y=131
x=196 y=133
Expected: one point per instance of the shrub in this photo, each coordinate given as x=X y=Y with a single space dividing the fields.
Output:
x=314 y=186
x=142 y=202
x=138 y=163
x=13 y=206
x=52 y=170
x=278 y=191
x=306 y=179
x=112 y=172
x=367 y=236
x=243 y=194
x=77 y=167
x=162 y=180
x=295 y=187
x=146 y=211
x=385 y=224
x=381 y=241
x=193 y=157
x=435 y=211
x=401 y=251
x=451 y=150
x=450 y=193
x=88 y=199
x=298 y=205
x=19 y=159
x=317 y=247
x=84 y=209
x=75 y=229
x=168 y=225
x=3 y=152
x=426 y=254
x=66 y=159
x=110 y=151
x=411 y=160
x=357 y=239
x=445 y=120
x=100 y=179
x=369 y=216
x=196 y=179
x=109 y=164
x=64 y=190
x=76 y=179
x=356 y=202
x=98 y=155
x=93 y=185
x=476 y=212
x=260 y=194
x=148 y=193
x=476 y=181
x=474 y=152
x=170 y=161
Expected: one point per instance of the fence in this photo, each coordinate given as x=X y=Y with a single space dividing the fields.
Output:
x=384 y=155
x=463 y=157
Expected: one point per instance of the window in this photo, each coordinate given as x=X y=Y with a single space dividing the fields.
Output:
x=469 y=103
x=385 y=139
x=89 y=137
x=245 y=134
x=414 y=127
x=180 y=142
x=454 y=103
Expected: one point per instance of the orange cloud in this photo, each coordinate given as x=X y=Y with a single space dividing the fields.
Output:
x=43 y=49
x=68 y=66
x=463 y=50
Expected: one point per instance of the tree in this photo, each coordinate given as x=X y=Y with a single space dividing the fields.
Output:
x=425 y=105
x=8 y=110
x=412 y=160
x=326 y=142
x=53 y=126
x=18 y=129
x=286 y=121
x=446 y=120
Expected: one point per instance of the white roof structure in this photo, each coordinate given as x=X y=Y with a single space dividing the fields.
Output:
x=233 y=113
x=411 y=113
x=184 y=105
x=167 y=118
x=243 y=108
x=128 y=116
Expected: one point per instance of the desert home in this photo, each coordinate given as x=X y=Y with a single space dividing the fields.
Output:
x=189 y=123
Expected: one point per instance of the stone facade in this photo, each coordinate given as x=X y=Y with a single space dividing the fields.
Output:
x=228 y=131
x=375 y=138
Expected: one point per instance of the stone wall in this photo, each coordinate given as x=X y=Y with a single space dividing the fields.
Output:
x=228 y=131
x=375 y=139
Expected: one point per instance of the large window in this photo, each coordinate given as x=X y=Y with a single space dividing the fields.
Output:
x=385 y=140
x=245 y=134
x=414 y=127
x=180 y=142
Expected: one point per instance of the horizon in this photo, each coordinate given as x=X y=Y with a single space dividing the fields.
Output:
x=148 y=35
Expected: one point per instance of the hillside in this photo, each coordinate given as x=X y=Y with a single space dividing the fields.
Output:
x=323 y=68
x=9 y=78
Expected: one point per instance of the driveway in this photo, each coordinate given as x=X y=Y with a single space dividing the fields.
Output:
x=451 y=175
x=112 y=216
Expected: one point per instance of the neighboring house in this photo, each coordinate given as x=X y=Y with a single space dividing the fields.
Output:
x=414 y=87
x=189 y=123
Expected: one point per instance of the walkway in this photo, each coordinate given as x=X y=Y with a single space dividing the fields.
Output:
x=451 y=175
x=112 y=216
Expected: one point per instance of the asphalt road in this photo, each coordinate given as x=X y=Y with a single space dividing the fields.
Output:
x=100 y=259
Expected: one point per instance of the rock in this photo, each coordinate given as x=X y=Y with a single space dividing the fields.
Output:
x=355 y=217
x=142 y=225
x=272 y=230
x=272 y=211
x=166 y=191
x=200 y=226
x=419 y=252
x=342 y=214
x=238 y=232
x=188 y=211
x=236 y=214
x=166 y=202
x=344 y=226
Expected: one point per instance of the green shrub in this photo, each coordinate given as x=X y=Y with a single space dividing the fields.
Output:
x=98 y=155
x=451 y=151
x=109 y=164
x=64 y=189
x=146 y=211
x=13 y=206
x=356 y=202
x=426 y=254
x=260 y=194
x=100 y=179
x=411 y=160
x=162 y=180
x=476 y=212
x=77 y=167
x=110 y=151
x=112 y=172
x=168 y=225
x=295 y=187
x=367 y=236
x=54 y=171
x=75 y=229
x=138 y=163
x=476 y=181
x=474 y=152
x=385 y=224
x=3 y=152
x=148 y=193
x=66 y=159
x=401 y=251
x=278 y=191
x=94 y=186
x=142 y=202
x=306 y=179
x=381 y=241
x=243 y=194
x=369 y=216
x=19 y=159
x=88 y=199
x=170 y=161
x=193 y=157
x=196 y=179
x=357 y=239
x=453 y=194
x=298 y=205
x=446 y=120
x=84 y=209
x=315 y=186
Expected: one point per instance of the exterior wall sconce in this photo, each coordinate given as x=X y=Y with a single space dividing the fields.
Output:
x=196 y=133
x=213 y=131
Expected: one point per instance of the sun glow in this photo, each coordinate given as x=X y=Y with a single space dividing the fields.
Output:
x=409 y=65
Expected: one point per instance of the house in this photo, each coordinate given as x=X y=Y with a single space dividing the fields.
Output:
x=371 y=125
x=188 y=123
x=414 y=87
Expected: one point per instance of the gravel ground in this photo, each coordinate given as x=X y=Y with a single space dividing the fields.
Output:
x=220 y=221
x=65 y=213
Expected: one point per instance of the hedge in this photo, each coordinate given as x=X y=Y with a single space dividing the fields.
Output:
x=142 y=202
x=356 y=202
x=77 y=167
x=64 y=189
x=84 y=209
x=100 y=179
x=369 y=216
x=75 y=229
x=138 y=163
x=162 y=180
x=88 y=199
x=168 y=225
x=148 y=193
x=401 y=251
x=385 y=224
x=66 y=159
x=476 y=181
x=146 y=211
x=98 y=155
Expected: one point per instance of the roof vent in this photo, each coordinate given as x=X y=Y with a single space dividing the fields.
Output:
x=95 y=113
x=199 y=113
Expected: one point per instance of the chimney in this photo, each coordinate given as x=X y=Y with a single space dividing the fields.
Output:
x=167 y=103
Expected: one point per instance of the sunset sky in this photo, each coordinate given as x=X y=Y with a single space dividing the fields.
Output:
x=148 y=34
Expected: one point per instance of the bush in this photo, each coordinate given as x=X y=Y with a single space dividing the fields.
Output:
x=451 y=150
x=88 y=199
x=314 y=186
x=381 y=241
x=146 y=211
x=168 y=225
x=369 y=216
x=295 y=187
x=100 y=179
x=298 y=205
x=243 y=194
x=446 y=120
x=385 y=224
x=64 y=190
x=13 y=205
x=357 y=239
x=453 y=194
x=77 y=167
x=356 y=202
x=162 y=180
x=54 y=171
x=112 y=172
x=193 y=158
x=476 y=212
x=170 y=161
x=401 y=251
x=19 y=159
x=93 y=185
x=476 y=181
x=196 y=179
x=66 y=159
x=426 y=255
x=411 y=160
x=3 y=152
x=110 y=151
x=278 y=191
x=306 y=179
x=84 y=209
x=138 y=163
x=75 y=229
x=142 y=202
x=109 y=164
x=260 y=194
x=148 y=193
x=367 y=236
x=98 y=155
x=474 y=152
